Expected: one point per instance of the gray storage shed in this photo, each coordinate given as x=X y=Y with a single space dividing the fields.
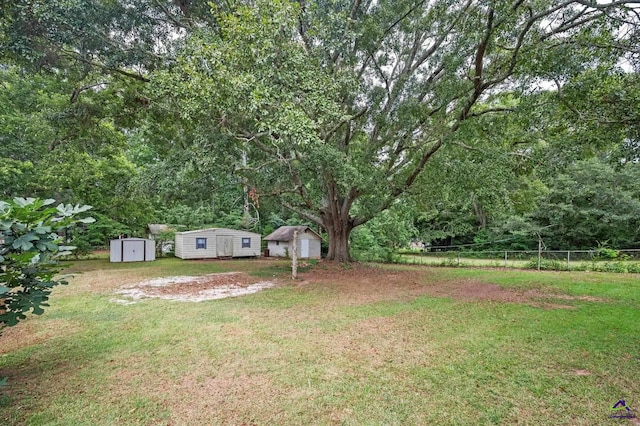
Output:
x=280 y=242
x=133 y=250
x=215 y=243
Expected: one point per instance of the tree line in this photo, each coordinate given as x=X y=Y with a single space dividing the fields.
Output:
x=376 y=122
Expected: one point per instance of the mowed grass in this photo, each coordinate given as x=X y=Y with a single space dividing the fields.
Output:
x=373 y=345
x=558 y=263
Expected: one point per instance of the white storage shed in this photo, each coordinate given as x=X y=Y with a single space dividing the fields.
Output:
x=280 y=242
x=133 y=250
x=215 y=243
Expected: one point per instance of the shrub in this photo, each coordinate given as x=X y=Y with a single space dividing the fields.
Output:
x=547 y=265
x=29 y=246
x=604 y=253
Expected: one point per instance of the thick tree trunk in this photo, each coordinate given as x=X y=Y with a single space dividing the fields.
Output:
x=339 y=227
x=481 y=216
x=339 y=242
x=339 y=223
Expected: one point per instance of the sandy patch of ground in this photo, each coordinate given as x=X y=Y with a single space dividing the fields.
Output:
x=192 y=289
x=357 y=284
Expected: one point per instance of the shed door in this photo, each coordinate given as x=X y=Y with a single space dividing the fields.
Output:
x=304 y=249
x=224 y=245
x=132 y=251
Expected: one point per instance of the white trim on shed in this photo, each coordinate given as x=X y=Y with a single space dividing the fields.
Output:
x=215 y=243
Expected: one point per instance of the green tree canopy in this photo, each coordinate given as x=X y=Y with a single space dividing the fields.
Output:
x=337 y=110
x=592 y=203
x=341 y=106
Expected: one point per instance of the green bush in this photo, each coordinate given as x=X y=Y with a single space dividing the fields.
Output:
x=96 y=234
x=30 y=244
x=547 y=265
x=451 y=262
x=619 y=267
x=603 y=253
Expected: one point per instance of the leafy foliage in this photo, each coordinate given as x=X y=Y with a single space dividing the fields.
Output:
x=342 y=106
x=380 y=238
x=462 y=112
x=592 y=202
x=29 y=245
x=87 y=237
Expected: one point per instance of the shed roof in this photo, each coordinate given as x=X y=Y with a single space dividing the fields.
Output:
x=195 y=231
x=285 y=233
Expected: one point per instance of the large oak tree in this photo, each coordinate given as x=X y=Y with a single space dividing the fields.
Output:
x=336 y=108
x=340 y=106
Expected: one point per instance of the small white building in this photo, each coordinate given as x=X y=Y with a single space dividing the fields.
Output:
x=132 y=250
x=280 y=242
x=216 y=242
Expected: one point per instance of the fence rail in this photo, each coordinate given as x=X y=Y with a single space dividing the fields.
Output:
x=626 y=260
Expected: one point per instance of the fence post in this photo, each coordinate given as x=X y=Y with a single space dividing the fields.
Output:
x=505 y=258
x=294 y=256
x=539 y=251
x=458 y=253
x=568 y=260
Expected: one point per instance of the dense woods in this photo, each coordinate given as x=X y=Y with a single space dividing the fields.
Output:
x=376 y=122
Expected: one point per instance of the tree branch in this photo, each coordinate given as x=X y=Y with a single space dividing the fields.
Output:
x=313 y=218
x=300 y=188
x=107 y=68
x=343 y=122
x=434 y=47
x=78 y=90
x=490 y=111
x=465 y=146
x=169 y=15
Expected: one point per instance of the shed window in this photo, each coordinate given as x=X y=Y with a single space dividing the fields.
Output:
x=201 y=243
x=246 y=242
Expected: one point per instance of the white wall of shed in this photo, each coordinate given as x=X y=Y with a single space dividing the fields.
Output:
x=186 y=244
x=282 y=248
x=131 y=245
x=278 y=248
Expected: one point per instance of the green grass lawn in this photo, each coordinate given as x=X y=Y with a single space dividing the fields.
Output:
x=550 y=262
x=393 y=345
x=454 y=261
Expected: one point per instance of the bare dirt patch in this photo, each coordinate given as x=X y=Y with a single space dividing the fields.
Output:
x=470 y=290
x=361 y=284
x=193 y=289
x=205 y=396
x=29 y=333
x=365 y=284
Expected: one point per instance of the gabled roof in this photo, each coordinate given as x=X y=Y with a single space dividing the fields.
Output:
x=285 y=233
